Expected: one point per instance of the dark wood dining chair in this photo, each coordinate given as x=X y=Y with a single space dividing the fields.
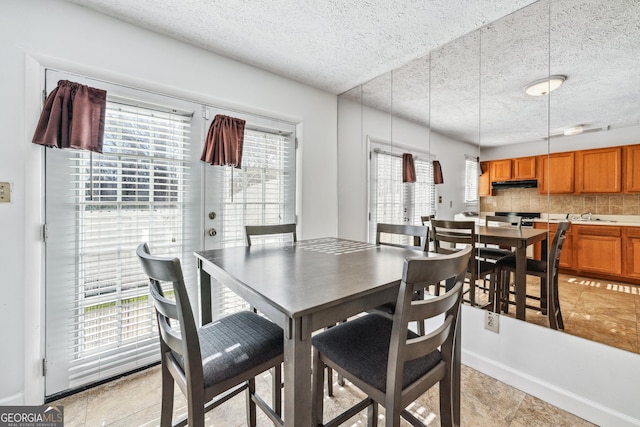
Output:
x=214 y=362
x=417 y=237
x=546 y=270
x=447 y=235
x=389 y=362
x=494 y=252
x=263 y=230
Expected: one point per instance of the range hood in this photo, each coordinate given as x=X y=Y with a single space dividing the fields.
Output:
x=528 y=183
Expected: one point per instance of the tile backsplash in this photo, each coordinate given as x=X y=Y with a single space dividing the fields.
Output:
x=528 y=200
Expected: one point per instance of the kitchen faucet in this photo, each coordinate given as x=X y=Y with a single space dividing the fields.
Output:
x=588 y=215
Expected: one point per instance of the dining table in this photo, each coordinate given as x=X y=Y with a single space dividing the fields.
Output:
x=304 y=287
x=518 y=238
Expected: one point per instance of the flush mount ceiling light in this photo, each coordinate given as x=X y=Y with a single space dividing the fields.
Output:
x=574 y=130
x=544 y=86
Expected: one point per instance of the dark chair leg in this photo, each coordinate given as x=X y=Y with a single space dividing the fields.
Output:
x=372 y=415
x=317 y=385
x=166 y=413
x=329 y=381
x=251 y=405
x=277 y=390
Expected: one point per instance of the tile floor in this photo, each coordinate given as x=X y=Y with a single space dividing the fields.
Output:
x=607 y=312
x=134 y=400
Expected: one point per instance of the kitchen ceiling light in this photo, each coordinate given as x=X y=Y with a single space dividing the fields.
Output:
x=575 y=130
x=544 y=86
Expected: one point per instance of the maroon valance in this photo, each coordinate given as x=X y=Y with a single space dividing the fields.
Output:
x=73 y=117
x=223 y=145
x=437 y=173
x=408 y=168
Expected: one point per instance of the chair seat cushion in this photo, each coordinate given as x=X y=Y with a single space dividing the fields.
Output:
x=361 y=347
x=235 y=344
x=533 y=265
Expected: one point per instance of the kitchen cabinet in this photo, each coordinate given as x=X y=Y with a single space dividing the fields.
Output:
x=513 y=169
x=631 y=168
x=606 y=252
x=524 y=168
x=599 y=171
x=566 y=257
x=501 y=170
x=631 y=264
x=598 y=249
x=556 y=173
x=484 y=182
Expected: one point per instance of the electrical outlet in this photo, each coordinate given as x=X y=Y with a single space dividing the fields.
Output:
x=492 y=321
x=5 y=192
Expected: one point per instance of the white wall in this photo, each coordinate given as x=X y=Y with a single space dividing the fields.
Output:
x=592 y=380
x=596 y=382
x=65 y=36
x=354 y=126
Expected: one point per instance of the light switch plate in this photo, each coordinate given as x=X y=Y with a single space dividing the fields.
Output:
x=492 y=321
x=5 y=192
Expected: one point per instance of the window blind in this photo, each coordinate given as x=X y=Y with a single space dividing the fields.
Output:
x=471 y=174
x=261 y=193
x=99 y=208
x=395 y=202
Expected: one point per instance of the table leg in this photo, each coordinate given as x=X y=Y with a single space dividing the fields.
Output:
x=205 y=295
x=297 y=374
x=521 y=282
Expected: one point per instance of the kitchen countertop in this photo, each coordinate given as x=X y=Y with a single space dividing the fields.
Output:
x=613 y=220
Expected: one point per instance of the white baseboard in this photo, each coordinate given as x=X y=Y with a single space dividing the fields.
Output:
x=566 y=400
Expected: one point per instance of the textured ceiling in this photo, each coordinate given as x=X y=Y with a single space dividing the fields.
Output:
x=459 y=66
x=474 y=85
x=333 y=45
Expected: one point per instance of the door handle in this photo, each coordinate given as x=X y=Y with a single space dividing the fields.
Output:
x=212 y=232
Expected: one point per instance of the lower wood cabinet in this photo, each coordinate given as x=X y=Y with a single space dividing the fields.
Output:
x=631 y=264
x=598 y=249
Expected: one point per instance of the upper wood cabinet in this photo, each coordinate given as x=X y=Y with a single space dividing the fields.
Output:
x=501 y=170
x=510 y=169
x=524 y=168
x=484 y=182
x=631 y=168
x=555 y=173
x=599 y=171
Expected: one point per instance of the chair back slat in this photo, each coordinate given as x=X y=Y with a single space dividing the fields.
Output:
x=262 y=230
x=452 y=233
x=418 y=347
x=419 y=233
